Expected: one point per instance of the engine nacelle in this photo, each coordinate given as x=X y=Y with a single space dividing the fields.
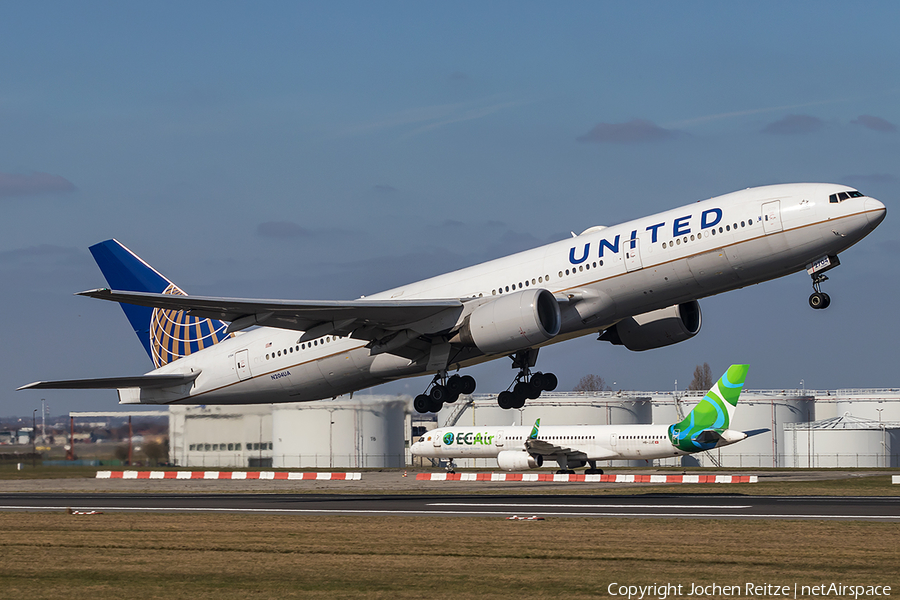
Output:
x=656 y=329
x=518 y=460
x=513 y=322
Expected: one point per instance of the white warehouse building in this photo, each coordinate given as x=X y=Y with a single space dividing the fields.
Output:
x=366 y=432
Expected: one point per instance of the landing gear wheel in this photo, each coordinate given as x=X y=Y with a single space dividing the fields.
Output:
x=506 y=399
x=565 y=472
x=593 y=471
x=521 y=392
x=535 y=386
x=550 y=381
x=439 y=394
x=422 y=403
x=433 y=405
x=452 y=397
x=454 y=384
x=819 y=300
x=468 y=384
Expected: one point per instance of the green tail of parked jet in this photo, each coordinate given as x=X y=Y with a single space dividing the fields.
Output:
x=705 y=426
x=709 y=425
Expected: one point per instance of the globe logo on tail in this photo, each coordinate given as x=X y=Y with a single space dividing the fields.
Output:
x=175 y=334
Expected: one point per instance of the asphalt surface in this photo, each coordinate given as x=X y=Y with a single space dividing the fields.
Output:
x=391 y=493
x=717 y=506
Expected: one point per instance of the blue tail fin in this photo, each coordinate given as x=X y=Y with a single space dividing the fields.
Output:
x=167 y=335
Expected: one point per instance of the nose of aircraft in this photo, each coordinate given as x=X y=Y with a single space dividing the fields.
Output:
x=875 y=211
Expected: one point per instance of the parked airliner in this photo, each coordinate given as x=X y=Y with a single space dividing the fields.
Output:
x=636 y=284
x=517 y=448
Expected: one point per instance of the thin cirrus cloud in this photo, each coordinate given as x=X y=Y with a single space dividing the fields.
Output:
x=875 y=124
x=33 y=184
x=281 y=230
x=794 y=125
x=634 y=131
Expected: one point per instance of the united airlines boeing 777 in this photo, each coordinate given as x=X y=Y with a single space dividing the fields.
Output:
x=636 y=284
x=706 y=427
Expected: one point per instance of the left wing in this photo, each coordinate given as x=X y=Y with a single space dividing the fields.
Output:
x=544 y=448
x=366 y=319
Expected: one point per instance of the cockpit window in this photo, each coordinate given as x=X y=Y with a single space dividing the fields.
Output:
x=841 y=196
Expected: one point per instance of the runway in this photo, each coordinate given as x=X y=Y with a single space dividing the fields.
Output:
x=717 y=506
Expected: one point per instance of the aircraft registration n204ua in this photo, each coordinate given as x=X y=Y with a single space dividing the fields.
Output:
x=636 y=284
x=518 y=448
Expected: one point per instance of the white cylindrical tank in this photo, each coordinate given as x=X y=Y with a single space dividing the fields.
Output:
x=340 y=433
x=765 y=410
x=875 y=405
x=844 y=441
x=565 y=408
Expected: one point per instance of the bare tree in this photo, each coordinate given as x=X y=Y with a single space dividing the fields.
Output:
x=591 y=383
x=703 y=379
x=155 y=451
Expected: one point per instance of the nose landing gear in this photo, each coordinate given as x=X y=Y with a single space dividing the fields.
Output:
x=816 y=270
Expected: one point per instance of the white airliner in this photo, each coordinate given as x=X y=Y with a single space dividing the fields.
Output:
x=518 y=448
x=635 y=284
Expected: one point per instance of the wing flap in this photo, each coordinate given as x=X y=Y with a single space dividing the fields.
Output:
x=113 y=383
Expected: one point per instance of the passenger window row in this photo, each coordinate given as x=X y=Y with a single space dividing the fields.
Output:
x=693 y=237
x=291 y=349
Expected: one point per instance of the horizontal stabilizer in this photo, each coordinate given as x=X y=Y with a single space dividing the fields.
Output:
x=753 y=432
x=112 y=383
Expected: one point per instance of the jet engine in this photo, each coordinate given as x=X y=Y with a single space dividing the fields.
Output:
x=512 y=322
x=518 y=460
x=656 y=329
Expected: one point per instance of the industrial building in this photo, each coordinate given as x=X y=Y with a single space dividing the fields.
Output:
x=368 y=432
x=845 y=428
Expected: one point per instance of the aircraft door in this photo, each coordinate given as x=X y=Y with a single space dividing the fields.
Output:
x=771 y=216
x=437 y=440
x=613 y=438
x=242 y=364
x=632 y=255
x=498 y=439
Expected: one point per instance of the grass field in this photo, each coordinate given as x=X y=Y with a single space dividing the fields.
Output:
x=234 y=556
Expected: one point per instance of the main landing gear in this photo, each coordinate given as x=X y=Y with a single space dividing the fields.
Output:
x=527 y=385
x=444 y=390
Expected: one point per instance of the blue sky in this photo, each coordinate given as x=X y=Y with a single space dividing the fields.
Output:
x=329 y=150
